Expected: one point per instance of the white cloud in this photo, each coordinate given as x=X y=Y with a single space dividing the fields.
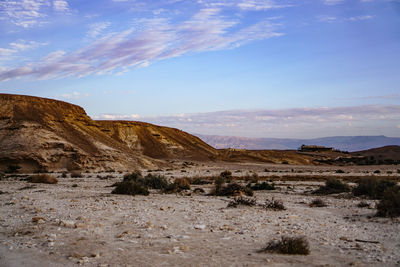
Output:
x=29 y=13
x=332 y=2
x=358 y=18
x=74 y=95
x=60 y=6
x=95 y=29
x=158 y=39
x=326 y=18
x=8 y=54
x=290 y=123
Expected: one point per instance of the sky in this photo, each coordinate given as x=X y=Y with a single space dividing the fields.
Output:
x=256 y=68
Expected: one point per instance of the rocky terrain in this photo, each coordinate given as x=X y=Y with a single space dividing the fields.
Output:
x=39 y=134
x=79 y=222
x=45 y=134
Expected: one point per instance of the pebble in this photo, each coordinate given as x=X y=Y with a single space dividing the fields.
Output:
x=200 y=226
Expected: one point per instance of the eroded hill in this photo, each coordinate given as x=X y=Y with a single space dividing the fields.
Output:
x=40 y=134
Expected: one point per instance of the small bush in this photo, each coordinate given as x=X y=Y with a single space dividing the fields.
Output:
x=227 y=175
x=317 y=203
x=363 y=204
x=134 y=176
x=389 y=205
x=332 y=186
x=76 y=174
x=178 y=185
x=130 y=187
x=288 y=245
x=246 y=201
x=339 y=171
x=198 y=181
x=372 y=188
x=13 y=168
x=43 y=179
x=64 y=175
x=273 y=204
x=155 y=181
x=377 y=171
x=261 y=186
x=232 y=189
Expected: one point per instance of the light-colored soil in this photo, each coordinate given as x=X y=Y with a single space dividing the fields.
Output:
x=85 y=224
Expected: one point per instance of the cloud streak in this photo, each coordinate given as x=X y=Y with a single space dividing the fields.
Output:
x=30 y=13
x=159 y=39
x=305 y=122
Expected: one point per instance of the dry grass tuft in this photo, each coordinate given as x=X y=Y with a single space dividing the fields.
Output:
x=288 y=245
x=317 y=203
x=43 y=179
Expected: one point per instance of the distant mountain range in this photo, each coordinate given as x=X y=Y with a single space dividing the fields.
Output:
x=344 y=143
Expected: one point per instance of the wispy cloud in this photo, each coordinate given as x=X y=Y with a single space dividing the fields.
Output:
x=358 y=18
x=95 y=29
x=60 y=6
x=7 y=54
x=74 y=95
x=332 y=2
x=305 y=122
x=159 y=39
x=29 y=13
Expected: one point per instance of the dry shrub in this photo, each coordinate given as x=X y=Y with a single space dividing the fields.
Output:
x=133 y=176
x=389 y=205
x=288 y=245
x=76 y=174
x=227 y=175
x=261 y=186
x=245 y=201
x=273 y=205
x=155 y=181
x=332 y=186
x=43 y=179
x=199 y=181
x=363 y=204
x=178 y=185
x=317 y=203
x=372 y=188
x=130 y=187
x=231 y=189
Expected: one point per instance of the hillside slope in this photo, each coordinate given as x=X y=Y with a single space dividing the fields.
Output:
x=45 y=134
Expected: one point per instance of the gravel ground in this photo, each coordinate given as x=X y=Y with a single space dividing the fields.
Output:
x=78 y=222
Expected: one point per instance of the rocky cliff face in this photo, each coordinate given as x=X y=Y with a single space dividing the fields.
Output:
x=44 y=134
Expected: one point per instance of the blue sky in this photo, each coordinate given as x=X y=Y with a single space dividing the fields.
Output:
x=264 y=68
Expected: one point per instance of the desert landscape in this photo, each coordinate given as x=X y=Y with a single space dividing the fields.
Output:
x=75 y=191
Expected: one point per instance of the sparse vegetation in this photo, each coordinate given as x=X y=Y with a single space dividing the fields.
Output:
x=372 y=187
x=245 y=201
x=198 y=181
x=377 y=171
x=43 y=179
x=332 y=186
x=363 y=204
x=13 y=168
x=231 y=189
x=155 y=181
x=261 y=186
x=131 y=187
x=227 y=175
x=64 y=175
x=339 y=171
x=318 y=202
x=288 y=245
x=389 y=205
x=76 y=174
x=272 y=204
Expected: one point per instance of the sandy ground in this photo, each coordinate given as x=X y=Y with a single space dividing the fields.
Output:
x=78 y=222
